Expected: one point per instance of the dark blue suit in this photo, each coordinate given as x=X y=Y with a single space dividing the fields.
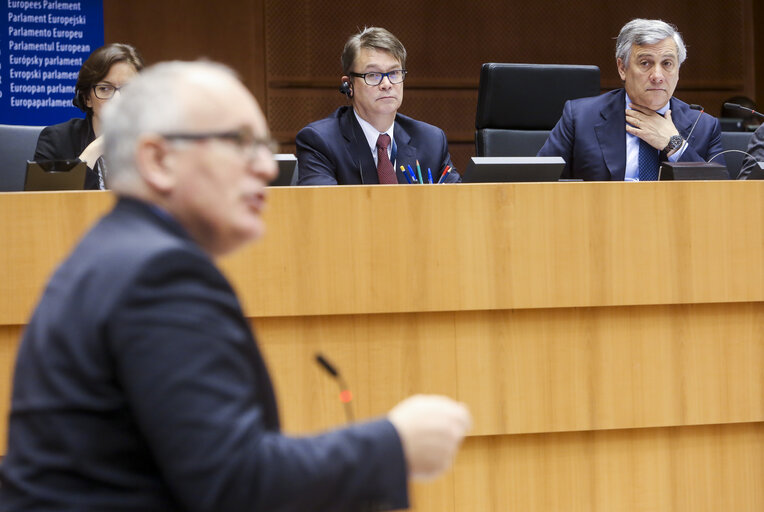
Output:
x=334 y=151
x=139 y=387
x=591 y=136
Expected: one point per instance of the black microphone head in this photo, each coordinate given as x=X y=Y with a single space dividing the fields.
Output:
x=697 y=107
x=327 y=365
x=734 y=106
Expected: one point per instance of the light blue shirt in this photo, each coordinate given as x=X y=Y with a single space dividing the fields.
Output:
x=632 y=149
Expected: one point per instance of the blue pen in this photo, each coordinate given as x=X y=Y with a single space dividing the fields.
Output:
x=412 y=173
x=429 y=175
x=405 y=174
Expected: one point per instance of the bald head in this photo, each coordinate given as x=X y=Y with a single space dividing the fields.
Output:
x=168 y=98
x=190 y=139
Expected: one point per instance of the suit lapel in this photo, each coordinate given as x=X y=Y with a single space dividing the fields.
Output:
x=611 y=135
x=359 y=149
x=406 y=154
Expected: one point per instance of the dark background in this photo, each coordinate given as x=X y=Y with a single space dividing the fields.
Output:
x=288 y=53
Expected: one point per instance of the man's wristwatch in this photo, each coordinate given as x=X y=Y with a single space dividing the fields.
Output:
x=675 y=142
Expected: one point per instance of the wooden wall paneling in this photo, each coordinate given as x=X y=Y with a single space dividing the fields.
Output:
x=480 y=247
x=230 y=32
x=594 y=386
x=681 y=469
x=509 y=246
x=443 y=61
x=758 y=53
x=36 y=236
x=530 y=371
x=9 y=342
x=278 y=46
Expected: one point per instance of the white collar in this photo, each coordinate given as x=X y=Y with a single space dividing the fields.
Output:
x=372 y=134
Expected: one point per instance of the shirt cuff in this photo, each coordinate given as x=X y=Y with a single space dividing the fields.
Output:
x=679 y=152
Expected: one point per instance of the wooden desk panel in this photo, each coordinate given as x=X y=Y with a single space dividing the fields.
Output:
x=449 y=248
x=611 y=363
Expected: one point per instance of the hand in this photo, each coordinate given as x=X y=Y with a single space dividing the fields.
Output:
x=93 y=152
x=431 y=429
x=650 y=126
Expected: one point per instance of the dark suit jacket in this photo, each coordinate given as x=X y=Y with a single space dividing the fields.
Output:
x=591 y=136
x=139 y=387
x=67 y=141
x=334 y=151
x=755 y=153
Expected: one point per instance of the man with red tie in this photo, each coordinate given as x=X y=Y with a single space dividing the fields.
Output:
x=369 y=141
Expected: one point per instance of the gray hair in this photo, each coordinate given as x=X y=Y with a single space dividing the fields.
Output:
x=374 y=38
x=640 y=31
x=156 y=101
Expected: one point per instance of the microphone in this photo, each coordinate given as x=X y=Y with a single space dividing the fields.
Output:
x=751 y=175
x=693 y=106
x=735 y=106
x=345 y=395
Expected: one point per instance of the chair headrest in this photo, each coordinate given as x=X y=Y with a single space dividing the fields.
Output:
x=530 y=96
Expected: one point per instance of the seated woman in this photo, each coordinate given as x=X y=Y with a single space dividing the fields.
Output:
x=102 y=75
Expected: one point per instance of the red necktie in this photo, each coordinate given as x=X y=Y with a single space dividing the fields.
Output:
x=385 y=169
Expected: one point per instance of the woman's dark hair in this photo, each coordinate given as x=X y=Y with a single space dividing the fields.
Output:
x=97 y=66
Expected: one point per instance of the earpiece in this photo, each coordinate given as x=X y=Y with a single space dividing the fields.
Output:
x=79 y=101
x=346 y=89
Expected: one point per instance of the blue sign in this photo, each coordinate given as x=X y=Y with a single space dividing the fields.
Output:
x=46 y=44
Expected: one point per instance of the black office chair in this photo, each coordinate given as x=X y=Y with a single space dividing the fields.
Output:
x=518 y=104
x=734 y=160
x=17 y=145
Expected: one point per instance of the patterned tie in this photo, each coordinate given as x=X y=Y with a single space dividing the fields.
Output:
x=648 y=162
x=385 y=169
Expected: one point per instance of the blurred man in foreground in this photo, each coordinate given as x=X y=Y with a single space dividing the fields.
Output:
x=138 y=383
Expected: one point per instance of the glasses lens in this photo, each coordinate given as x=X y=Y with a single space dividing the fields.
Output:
x=104 y=92
x=396 y=76
x=373 y=78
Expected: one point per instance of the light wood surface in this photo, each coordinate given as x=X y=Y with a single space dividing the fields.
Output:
x=449 y=248
x=606 y=336
x=530 y=371
x=686 y=469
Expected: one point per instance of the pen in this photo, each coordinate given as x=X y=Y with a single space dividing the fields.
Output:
x=443 y=176
x=412 y=173
x=429 y=175
x=419 y=172
x=405 y=174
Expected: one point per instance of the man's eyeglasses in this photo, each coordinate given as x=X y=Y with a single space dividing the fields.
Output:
x=242 y=138
x=395 y=76
x=105 y=91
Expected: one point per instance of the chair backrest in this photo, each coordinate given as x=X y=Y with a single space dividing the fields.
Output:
x=17 y=145
x=493 y=142
x=527 y=97
x=734 y=160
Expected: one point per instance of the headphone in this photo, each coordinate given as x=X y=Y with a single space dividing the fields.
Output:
x=79 y=99
x=346 y=89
